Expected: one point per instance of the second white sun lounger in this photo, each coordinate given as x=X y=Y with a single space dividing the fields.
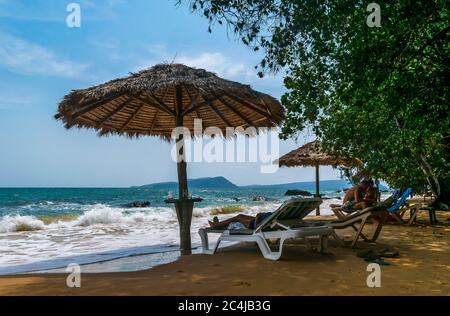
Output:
x=285 y=223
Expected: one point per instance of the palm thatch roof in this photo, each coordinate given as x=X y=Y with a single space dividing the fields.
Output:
x=312 y=154
x=148 y=103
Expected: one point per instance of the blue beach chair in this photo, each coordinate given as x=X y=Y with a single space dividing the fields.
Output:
x=400 y=206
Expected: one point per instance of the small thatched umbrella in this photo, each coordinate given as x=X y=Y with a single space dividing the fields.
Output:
x=155 y=101
x=312 y=155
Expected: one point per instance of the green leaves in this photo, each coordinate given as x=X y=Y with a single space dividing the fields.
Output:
x=380 y=94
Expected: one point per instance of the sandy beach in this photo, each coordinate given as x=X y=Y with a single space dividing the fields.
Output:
x=423 y=268
x=129 y=130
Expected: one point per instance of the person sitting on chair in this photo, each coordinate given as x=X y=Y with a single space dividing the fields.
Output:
x=354 y=198
x=370 y=197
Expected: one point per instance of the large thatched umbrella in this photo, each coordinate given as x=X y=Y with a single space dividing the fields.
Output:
x=312 y=155
x=155 y=101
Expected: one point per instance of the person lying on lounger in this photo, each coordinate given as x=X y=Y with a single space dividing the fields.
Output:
x=250 y=222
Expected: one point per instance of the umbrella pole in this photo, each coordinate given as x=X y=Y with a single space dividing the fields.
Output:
x=183 y=192
x=184 y=206
x=318 y=187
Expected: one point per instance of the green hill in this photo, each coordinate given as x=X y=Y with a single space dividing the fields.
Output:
x=201 y=183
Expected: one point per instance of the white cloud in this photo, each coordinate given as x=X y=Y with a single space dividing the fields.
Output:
x=229 y=67
x=23 y=57
x=218 y=63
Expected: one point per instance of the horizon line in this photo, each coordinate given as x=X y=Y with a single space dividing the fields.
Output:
x=137 y=186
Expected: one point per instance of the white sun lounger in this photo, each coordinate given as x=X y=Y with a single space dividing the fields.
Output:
x=285 y=223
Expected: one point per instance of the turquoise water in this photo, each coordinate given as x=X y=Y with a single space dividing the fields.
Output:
x=42 y=202
x=50 y=228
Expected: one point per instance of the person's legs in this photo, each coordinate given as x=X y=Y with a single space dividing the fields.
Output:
x=245 y=220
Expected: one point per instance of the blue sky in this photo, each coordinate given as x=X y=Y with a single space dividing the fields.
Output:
x=41 y=60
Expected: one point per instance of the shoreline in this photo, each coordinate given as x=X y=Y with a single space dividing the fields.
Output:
x=59 y=265
x=116 y=264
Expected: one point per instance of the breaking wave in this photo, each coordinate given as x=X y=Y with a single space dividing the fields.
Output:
x=9 y=224
x=97 y=215
x=106 y=215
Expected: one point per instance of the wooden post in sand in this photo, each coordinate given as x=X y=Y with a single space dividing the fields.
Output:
x=318 y=187
x=183 y=206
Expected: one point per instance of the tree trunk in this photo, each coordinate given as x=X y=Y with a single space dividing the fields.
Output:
x=439 y=187
x=445 y=183
x=444 y=196
x=433 y=181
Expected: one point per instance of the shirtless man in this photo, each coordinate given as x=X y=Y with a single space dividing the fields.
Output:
x=354 y=199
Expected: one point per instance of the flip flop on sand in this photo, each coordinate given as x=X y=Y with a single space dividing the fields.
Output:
x=368 y=254
x=388 y=253
x=375 y=256
x=372 y=254
x=379 y=261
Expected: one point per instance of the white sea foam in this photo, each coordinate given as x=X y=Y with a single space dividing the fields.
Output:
x=100 y=215
x=16 y=223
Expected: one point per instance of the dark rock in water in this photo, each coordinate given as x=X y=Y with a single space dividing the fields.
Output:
x=236 y=199
x=297 y=192
x=137 y=204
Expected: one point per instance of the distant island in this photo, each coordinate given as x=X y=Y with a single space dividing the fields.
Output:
x=202 y=183
x=223 y=183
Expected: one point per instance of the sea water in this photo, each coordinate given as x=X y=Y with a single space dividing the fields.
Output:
x=42 y=229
